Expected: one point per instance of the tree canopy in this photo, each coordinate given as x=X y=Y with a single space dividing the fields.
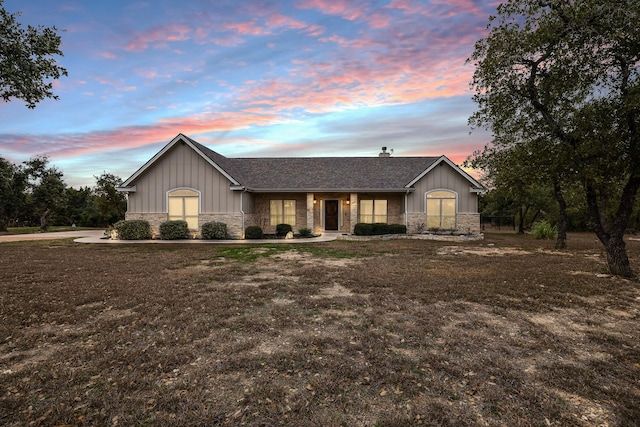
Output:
x=34 y=193
x=565 y=74
x=27 y=60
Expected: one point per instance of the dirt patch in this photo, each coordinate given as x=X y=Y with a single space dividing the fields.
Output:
x=505 y=331
x=480 y=251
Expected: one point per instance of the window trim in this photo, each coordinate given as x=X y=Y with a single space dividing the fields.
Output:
x=199 y=193
x=455 y=214
x=373 y=211
x=281 y=220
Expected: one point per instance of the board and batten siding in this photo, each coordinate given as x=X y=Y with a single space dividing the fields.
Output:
x=443 y=177
x=182 y=167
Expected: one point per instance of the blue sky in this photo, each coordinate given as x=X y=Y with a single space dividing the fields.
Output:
x=250 y=79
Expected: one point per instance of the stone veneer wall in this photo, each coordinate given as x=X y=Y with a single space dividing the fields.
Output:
x=154 y=220
x=466 y=223
x=233 y=221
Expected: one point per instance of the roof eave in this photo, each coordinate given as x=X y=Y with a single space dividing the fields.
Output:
x=322 y=190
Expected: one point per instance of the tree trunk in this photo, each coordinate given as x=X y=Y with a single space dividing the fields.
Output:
x=533 y=220
x=521 y=214
x=44 y=224
x=611 y=233
x=617 y=258
x=561 y=242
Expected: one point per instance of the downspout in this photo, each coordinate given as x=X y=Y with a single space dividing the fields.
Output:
x=242 y=209
x=406 y=209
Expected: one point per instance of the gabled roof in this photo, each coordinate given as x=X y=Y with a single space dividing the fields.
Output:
x=313 y=173
x=197 y=147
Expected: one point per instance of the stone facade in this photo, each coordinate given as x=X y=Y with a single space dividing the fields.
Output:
x=308 y=215
x=233 y=221
x=466 y=223
x=154 y=220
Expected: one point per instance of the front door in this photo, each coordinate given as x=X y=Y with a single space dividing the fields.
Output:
x=331 y=215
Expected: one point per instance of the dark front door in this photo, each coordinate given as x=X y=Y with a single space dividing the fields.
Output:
x=331 y=215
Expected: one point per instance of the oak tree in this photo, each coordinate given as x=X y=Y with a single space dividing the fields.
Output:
x=27 y=60
x=566 y=72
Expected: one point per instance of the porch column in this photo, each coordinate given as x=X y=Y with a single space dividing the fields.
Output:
x=353 y=211
x=310 y=211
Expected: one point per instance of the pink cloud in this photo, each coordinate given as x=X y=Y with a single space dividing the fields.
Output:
x=109 y=55
x=279 y=20
x=379 y=20
x=158 y=37
x=346 y=9
x=246 y=28
x=127 y=137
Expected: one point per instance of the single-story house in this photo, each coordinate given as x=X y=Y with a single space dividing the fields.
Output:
x=186 y=180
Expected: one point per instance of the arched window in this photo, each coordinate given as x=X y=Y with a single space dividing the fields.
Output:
x=441 y=209
x=184 y=205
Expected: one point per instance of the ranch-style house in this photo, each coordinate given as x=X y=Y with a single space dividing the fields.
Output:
x=186 y=180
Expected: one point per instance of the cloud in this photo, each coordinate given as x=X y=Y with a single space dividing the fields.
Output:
x=347 y=9
x=158 y=36
x=63 y=145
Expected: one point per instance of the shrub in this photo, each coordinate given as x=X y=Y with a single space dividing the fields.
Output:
x=305 y=232
x=133 y=229
x=544 y=230
x=253 y=232
x=362 y=229
x=174 y=230
x=397 y=229
x=214 y=230
x=283 y=229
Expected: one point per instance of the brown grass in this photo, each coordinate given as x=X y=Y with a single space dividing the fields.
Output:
x=503 y=332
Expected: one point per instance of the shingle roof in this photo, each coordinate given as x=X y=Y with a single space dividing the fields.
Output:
x=314 y=173
x=328 y=173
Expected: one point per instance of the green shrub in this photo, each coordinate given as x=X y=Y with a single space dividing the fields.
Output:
x=214 y=230
x=174 y=230
x=362 y=229
x=305 y=232
x=133 y=229
x=253 y=232
x=283 y=229
x=397 y=229
x=544 y=230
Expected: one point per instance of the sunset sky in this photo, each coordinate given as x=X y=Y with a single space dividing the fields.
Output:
x=250 y=79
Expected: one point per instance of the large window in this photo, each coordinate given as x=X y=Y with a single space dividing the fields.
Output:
x=183 y=204
x=282 y=212
x=372 y=211
x=441 y=209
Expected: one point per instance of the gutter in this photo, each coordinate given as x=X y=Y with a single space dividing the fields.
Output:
x=322 y=190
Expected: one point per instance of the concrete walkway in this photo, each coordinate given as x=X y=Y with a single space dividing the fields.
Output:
x=96 y=236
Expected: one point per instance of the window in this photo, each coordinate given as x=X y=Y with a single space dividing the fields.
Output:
x=183 y=205
x=282 y=212
x=372 y=211
x=441 y=209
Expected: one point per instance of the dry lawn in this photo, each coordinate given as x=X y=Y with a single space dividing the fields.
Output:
x=502 y=332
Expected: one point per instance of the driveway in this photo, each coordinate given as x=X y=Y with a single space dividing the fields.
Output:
x=93 y=234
